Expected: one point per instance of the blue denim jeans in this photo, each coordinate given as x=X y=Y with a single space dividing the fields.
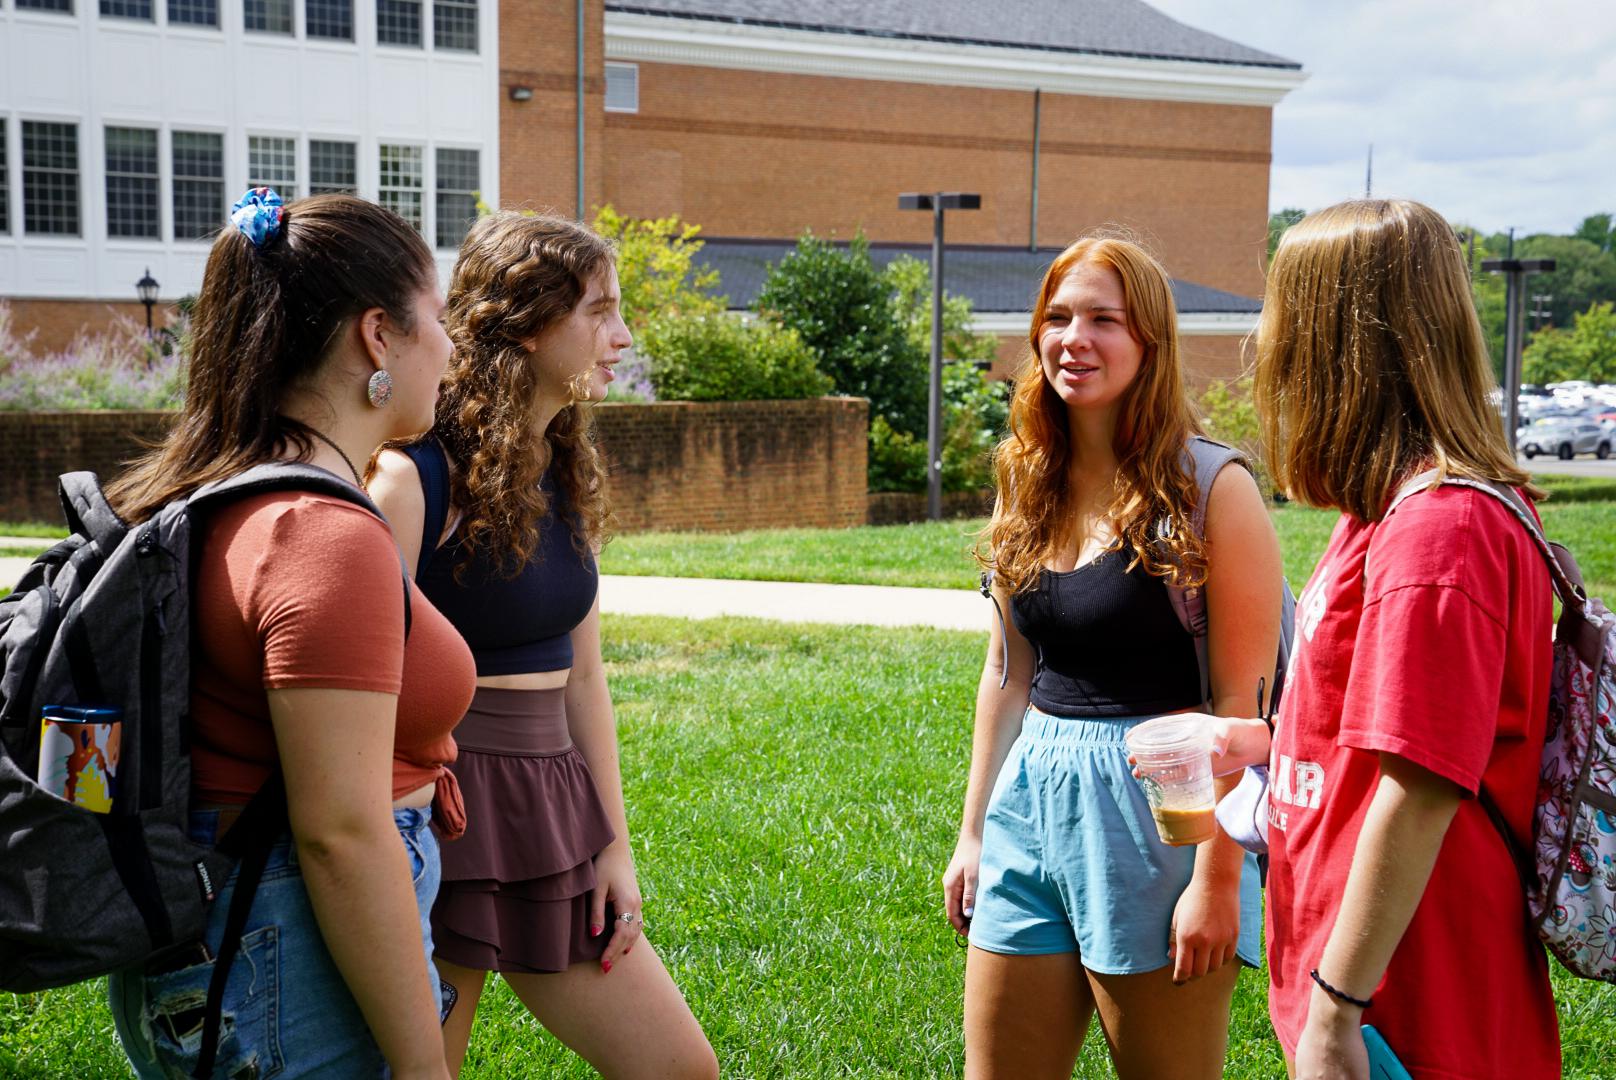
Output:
x=287 y=1010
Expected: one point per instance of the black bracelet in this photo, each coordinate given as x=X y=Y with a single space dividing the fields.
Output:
x=1362 y=1003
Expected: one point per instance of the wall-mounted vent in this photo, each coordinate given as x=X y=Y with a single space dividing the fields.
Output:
x=622 y=88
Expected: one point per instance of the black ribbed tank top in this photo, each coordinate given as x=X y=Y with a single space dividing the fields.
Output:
x=1108 y=641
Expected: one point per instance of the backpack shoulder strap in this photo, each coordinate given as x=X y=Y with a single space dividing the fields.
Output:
x=1563 y=569
x=87 y=511
x=293 y=476
x=1205 y=458
x=432 y=463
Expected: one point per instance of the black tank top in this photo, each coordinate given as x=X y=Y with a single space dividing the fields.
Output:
x=1108 y=641
x=514 y=625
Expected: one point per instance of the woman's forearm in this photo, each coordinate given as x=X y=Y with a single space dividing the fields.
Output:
x=1397 y=848
x=593 y=727
x=359 y=886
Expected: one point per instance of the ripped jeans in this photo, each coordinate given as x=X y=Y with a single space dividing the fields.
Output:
x=287 y=1011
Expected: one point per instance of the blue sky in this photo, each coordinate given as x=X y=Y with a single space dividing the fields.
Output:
x=1495 y=113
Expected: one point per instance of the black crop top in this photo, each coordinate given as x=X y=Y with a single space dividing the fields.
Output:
x=513 y=625
x=1108 y=641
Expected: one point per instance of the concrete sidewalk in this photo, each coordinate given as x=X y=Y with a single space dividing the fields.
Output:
x=706 y=598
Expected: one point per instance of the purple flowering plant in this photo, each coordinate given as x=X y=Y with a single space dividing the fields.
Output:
x=118 y=368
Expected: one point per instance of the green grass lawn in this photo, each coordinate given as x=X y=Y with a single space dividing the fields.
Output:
x=937 y=554
x=793 y=793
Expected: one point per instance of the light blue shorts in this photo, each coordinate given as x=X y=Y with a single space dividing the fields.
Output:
x=1071 y=860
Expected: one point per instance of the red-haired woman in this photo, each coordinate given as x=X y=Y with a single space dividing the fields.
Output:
x=1072 y=904
x=501 y=510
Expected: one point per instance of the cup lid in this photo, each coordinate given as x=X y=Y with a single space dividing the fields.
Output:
x=1170 y=734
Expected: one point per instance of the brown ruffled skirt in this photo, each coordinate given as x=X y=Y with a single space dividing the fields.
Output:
x=515 y=892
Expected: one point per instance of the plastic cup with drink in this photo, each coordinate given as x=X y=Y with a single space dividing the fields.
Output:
x=1173 y=762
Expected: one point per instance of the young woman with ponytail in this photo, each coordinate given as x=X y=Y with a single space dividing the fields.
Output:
x=315 y=338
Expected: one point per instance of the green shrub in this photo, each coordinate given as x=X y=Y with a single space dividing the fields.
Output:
x=720 y=357
x=656 y=268
x=843 y=308
x=975 y=413
x=897 y=459
x=1229 y=416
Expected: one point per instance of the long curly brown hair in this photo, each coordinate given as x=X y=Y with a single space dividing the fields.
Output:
x=1154 y=495
x=516 y=275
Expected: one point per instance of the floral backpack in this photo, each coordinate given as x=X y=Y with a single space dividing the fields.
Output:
x=1570 y=873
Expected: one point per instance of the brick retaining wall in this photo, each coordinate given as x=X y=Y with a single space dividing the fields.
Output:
x=719 y=467
x=903 y=507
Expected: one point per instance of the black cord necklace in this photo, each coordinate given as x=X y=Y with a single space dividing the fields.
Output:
x=357 y=481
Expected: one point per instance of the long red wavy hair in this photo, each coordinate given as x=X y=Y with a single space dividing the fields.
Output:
x=1154 y=495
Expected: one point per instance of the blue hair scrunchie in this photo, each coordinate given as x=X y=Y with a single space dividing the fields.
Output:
x=258 y=214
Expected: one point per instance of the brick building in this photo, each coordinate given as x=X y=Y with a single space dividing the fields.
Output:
x=756 y=119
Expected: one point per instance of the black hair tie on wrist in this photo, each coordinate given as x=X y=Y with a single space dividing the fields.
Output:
x=1362 y=1003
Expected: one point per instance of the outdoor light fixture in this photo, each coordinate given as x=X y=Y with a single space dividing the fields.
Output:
x=1514 y=271
x=521 y=93
x=146 y=289
x=936 y=202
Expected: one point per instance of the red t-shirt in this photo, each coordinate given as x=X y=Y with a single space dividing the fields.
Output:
x=295 y=589
x=1428 y=636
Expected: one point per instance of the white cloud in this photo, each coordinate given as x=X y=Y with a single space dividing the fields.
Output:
x=1496 y=112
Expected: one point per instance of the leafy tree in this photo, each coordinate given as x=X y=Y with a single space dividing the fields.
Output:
x=910 y=281
x=1586 y=351
x=1599 y=230
x=1585 y=274
x=1279 y=222
x=656 y=269
x=842 y=306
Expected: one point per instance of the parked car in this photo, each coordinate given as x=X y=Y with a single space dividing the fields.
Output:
x=1565 y=437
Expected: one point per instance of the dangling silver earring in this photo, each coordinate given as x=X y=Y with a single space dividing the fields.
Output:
x=380 y=388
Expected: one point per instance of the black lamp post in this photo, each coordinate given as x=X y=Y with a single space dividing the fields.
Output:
x=146 y=289
x=937 y=202
x=1514 y=271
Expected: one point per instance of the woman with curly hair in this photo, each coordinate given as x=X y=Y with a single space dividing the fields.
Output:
x=501 y=510
x=1072 y=903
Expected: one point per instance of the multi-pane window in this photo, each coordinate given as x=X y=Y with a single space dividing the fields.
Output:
x=333 y=167
x=198 y=184
x=127 y=9
x=458 y=183
x=64 y=6
x=331 y=19
x=193 y=12
x=401 y=187
x=272 y=162
x=5 y=182
x=50 y=178
x=454 y=24
x=132 y=201
x=622 y=88
x=398 y=22
x=268 y=16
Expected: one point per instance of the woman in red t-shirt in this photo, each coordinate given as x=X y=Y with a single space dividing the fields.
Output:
x=315 y=337
x=1420 y=673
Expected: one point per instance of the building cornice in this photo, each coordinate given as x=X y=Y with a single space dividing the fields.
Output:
x=704 y=43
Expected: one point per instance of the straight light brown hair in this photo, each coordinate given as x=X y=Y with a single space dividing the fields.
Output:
x=1371 y=365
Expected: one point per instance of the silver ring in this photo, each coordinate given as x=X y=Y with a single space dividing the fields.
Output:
x=627 y=916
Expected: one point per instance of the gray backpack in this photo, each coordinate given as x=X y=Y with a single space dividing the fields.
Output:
x=103 y=619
